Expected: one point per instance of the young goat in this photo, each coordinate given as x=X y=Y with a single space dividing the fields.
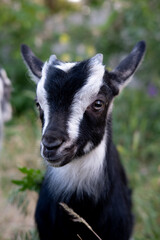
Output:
x=5 y=106
x=83 y=168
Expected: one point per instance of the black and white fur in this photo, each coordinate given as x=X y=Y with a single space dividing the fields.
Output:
x=83 y=168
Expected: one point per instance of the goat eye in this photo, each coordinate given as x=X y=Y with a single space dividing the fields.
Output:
x=41 y=113
x=98 y=105
x=37 y=105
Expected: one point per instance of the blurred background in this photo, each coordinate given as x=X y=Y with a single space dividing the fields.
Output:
x=74 y=30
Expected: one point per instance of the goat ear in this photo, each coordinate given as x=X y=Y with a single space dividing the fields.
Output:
x=33 y=64
x=127 y=67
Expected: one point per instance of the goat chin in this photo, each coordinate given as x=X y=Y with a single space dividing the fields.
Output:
x=58 y=162
x=59 y=158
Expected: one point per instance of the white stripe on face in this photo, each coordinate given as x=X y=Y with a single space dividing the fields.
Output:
x=42 y=96
x=41 y=92
x=84 y=97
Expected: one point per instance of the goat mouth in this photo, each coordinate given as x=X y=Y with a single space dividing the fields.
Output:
x=58 y=162
x=59 y=159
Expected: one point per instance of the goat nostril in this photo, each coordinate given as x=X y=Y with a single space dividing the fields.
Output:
x=50 y=145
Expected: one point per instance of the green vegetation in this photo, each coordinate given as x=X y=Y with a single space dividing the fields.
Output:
x=32 y=180
x=136 y=114
x=136 y=131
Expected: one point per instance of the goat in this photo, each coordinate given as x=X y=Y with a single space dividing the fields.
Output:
x=83 y=168
x=5 y=107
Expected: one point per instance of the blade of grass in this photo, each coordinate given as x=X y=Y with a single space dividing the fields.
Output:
x=79 y=237
x=77 y=218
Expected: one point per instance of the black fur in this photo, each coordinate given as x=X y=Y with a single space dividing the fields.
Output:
x=62 y=86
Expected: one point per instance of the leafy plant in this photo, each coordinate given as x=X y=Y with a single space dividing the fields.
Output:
x=31 y=181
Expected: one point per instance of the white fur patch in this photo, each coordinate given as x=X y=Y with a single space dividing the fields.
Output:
x=84 y=97
x=41 y=96
x=42 y=148
x=82 y=174
x=65 y=66
x=88 y=147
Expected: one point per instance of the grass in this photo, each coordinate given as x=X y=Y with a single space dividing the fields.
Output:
x=136 y=128
x=20 y=148
x=136 y=132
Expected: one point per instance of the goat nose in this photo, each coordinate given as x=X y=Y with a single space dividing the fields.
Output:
x=51 y=143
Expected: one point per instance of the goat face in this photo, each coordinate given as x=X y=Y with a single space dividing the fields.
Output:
x=75 y=101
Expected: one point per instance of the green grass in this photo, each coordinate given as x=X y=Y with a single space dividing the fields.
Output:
x=136 y=128
x=136 y=132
